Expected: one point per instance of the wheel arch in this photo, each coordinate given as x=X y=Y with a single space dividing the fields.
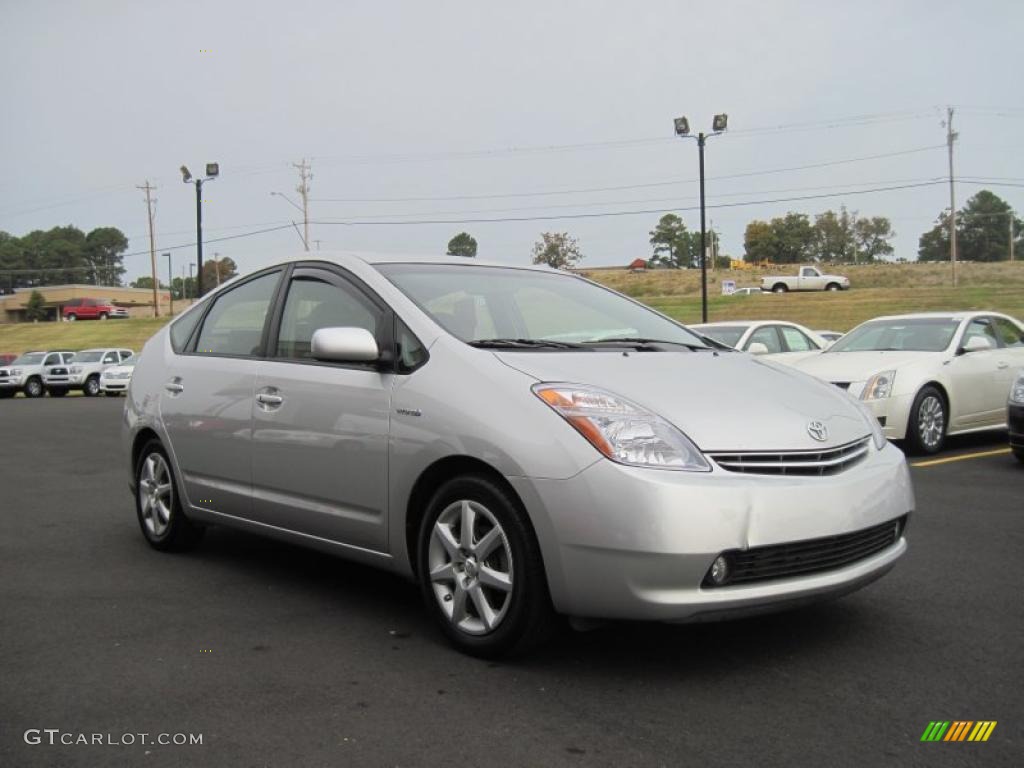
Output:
x=943 y=392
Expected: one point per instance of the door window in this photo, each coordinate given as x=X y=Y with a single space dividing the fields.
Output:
x=313 y=304
x=767 y=336
x=1008 y=332
x=796 y=340
x=980 y=326
x=52 y=360
x=110 y=357
x=234 y=324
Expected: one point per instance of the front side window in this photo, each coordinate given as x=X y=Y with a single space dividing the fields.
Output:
x=313 y=304
x=111 y=357
x=796 y=340
x=767 y=336
x=980 y=326
x=477 y=304
x=52 y=360
x=234 y=324
x=729 y=335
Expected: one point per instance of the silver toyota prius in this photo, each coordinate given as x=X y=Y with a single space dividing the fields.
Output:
x=520 y=441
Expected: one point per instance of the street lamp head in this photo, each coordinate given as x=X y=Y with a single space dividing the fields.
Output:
x=720 y=123
x=682 y=126
x=213 y=170
x=186 y=176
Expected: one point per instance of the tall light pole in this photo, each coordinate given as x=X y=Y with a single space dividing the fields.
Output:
x=191 y=266
x=212 y=172
x=170 y=282
x=718 y=126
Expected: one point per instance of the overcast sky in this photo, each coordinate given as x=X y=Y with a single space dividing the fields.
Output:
x=474 y=107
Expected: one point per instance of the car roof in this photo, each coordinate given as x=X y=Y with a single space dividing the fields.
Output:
x=375 y=259
x=958 y=316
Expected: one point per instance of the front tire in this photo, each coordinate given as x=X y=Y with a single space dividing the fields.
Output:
x=72 y=318
x=832 y=287
x=780 y=288
x=158 y=505
x=926 y=429
x=480 y=570
x=91 y=388
x=103 y=315
x=34 y=388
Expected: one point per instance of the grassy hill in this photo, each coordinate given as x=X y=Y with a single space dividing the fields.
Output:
x=878 y=289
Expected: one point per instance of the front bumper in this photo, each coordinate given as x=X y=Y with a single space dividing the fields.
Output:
x=70 y=381
x=629 y=543
x=892 y=413
x=12 y=382
x=113 y=385
x=1015 y=420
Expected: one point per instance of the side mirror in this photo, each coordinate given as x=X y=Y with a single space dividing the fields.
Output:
x=977 y=344
x=757 y=348
x=344 y=345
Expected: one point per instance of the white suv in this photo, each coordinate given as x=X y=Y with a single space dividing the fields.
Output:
x=27 y=372
x=84 y=371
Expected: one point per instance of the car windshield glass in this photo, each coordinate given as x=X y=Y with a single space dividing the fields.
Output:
x=931 y=334
x=726 y=334
x=32 y=358
x=485 y=303
x=88 y=356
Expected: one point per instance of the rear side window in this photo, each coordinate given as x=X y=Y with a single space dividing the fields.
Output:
x=314 y=304
x=234 y=324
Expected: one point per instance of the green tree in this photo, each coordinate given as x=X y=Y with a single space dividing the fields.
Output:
x=674 y=245
x=147 y=282
x=557 y=250
x=463 y=244
x=794 y=237
x=933 y=245
x=182 y=288
x=982 y=232
x=217 y=271
x=103 y=252
x=759 y=242
x=872 y=238
x=834 y=236
x=34 y=309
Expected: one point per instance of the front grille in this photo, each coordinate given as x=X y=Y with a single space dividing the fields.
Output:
x=814 y=463
x=800 y=558
x=58 y=371
x=841 y=384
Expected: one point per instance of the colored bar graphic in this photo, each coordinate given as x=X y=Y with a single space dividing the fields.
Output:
x=958 y=730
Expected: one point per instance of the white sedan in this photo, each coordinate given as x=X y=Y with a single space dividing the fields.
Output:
x=115 y=379
x=783 y=341
x=928 y=375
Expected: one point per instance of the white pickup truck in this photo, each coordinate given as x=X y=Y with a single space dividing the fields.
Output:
x=809 y=279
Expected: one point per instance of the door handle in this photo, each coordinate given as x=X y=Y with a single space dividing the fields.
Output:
x=174 y=386
x=269 y=400
x=1003 y=365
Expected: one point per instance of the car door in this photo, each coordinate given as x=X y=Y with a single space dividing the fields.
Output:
x=1011 y=353
x=320 y=439
x=110 y=358
x=207 y=395
x=977 y=398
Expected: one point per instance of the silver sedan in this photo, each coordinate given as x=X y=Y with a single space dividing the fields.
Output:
x=521 y=442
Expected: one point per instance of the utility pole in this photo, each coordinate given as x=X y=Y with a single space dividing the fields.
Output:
x=195 y=293
x=305 y=176
x=1011 y=235
x=216 y=266
x=950 y=138
x=170 y=283
x=152 y=245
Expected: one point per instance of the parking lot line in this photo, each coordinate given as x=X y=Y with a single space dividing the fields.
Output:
x=979 y=455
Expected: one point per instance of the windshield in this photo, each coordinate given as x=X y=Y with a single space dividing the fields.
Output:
x=726 y=334
x=32 y=358
x=89 y=356
x=931 y=334
x=484 y=303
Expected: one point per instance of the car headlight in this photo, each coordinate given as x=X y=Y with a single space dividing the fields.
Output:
x=15 y=371
x=878 y=386
x=76 y=369
x=1017 y=390
x=621 y=430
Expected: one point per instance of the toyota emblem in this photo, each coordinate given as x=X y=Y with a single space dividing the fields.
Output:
x=818 y=431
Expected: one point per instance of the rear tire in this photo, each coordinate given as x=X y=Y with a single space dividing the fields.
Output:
x=929 y=418
x=779 y=288
x=56 y=392
x=34 y=387
x=485 y=585
x=91 y=388
x=158 y=504
x=103 y=315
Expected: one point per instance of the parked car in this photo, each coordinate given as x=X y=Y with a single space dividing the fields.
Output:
x=929 y=375
x=93 y=309
x=746 y=292
x=25 y=373
x=84 y=371
x=831 y=337
x=779 y=339
x=479 y=428
x=115 y=379
x=1015 y=416
x=7 y=358
x=808 y=279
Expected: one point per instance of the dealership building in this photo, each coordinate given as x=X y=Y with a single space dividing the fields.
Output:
x=138 y=301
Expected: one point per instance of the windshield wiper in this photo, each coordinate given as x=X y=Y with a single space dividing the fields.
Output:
x=638 y=340
x=524 y=344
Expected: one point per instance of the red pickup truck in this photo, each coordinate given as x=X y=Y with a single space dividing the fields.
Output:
x=92 y=309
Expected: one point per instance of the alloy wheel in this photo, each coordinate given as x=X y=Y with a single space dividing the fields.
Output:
x=931 y=421
x=155 y=494
x=470 y=566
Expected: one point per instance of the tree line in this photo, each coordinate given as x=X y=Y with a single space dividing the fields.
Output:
x=62 y=255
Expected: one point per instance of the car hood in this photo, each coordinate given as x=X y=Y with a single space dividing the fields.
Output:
x=857 y=366
x=724 y=402
x=119 y=369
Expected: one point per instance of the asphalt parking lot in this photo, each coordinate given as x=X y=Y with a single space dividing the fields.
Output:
x=280 y=656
